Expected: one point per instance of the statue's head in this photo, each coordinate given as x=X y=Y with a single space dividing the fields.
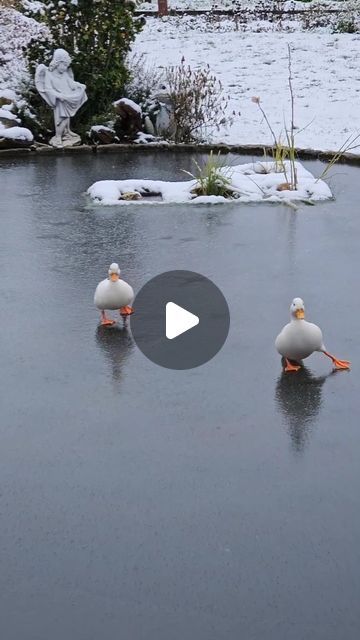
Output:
x=61 y=61
x=162 y=93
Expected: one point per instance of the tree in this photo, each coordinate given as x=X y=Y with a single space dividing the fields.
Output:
x=98 y=35
x=163 y=8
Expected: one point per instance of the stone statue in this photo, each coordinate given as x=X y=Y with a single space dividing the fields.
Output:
x=160 y=121
x=58 y=88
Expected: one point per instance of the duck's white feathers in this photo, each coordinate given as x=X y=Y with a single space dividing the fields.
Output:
x=299 y=339
x=111 y=295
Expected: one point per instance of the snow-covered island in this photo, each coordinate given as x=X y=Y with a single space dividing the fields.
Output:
x=250 y=182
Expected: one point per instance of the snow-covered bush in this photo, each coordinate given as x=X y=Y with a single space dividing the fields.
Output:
x=98 y=36
x=197 y=100
x=144 y=79
x=345 y=26
x=34 y=112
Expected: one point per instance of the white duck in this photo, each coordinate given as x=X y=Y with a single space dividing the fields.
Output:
x=299 y=339
x=114 y=293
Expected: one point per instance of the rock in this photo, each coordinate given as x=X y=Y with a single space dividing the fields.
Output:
x=100 y=134
x=13 y=143
x=131 y=195
x=129 y=121
x=4 y=101
x=148 y=126
x=7 y=118
x=7 y=96
x=284 y=186
x=12 y=136
x=146 y=138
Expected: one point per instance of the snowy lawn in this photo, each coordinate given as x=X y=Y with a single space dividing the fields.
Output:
x=326 y=77
x=205 y=5
x=251 y=182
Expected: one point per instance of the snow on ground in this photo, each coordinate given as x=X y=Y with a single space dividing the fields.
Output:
x=206 y=5
x=326 y=78
x=252 y=182
x=100 y=127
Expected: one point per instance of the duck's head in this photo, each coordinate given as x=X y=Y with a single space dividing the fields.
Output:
x=297 y=309
x=114 y=272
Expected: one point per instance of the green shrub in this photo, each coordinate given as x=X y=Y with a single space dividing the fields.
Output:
x=35 y=113
x=98 y=35
x=345 y=26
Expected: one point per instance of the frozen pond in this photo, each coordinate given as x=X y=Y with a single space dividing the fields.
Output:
x=147 y=504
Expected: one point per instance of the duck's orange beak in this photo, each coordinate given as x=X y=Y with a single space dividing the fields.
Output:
x=300 y=314
x=114 y=277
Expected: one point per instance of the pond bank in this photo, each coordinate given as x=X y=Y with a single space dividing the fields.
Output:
x=247 y=149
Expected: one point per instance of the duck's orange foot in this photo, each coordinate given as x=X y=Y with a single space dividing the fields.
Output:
x=126 y=311
x=338 y=364
x=291 y=367
x=107 y=322
x=341 y=364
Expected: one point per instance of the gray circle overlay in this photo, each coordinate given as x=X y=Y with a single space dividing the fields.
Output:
x=196 y=294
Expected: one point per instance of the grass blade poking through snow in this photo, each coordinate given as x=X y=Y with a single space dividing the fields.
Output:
x=280 y=151
x=348 y=145
x=213 y=178
x=291 y=134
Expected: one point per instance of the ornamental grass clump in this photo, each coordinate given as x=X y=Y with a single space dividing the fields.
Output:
x=213 y=178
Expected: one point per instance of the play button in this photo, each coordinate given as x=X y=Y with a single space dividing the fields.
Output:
x=181 y=319
x=178 y=320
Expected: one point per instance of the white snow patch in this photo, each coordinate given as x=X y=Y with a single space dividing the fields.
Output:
x=7 y=94
x=130 y=103
x=8 y=107
x=5 y=114
x=16 y=133
x=100 y=127
x=147 y=138
x=34 y=6
x=253 y=182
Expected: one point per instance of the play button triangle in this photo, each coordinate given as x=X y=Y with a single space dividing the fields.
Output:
x=165 y=308
x=178 y=320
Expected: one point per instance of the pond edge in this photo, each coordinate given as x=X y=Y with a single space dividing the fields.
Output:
x=247 y=150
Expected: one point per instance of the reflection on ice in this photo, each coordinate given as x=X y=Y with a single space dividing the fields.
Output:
x=117 y=344
x=299 y=398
